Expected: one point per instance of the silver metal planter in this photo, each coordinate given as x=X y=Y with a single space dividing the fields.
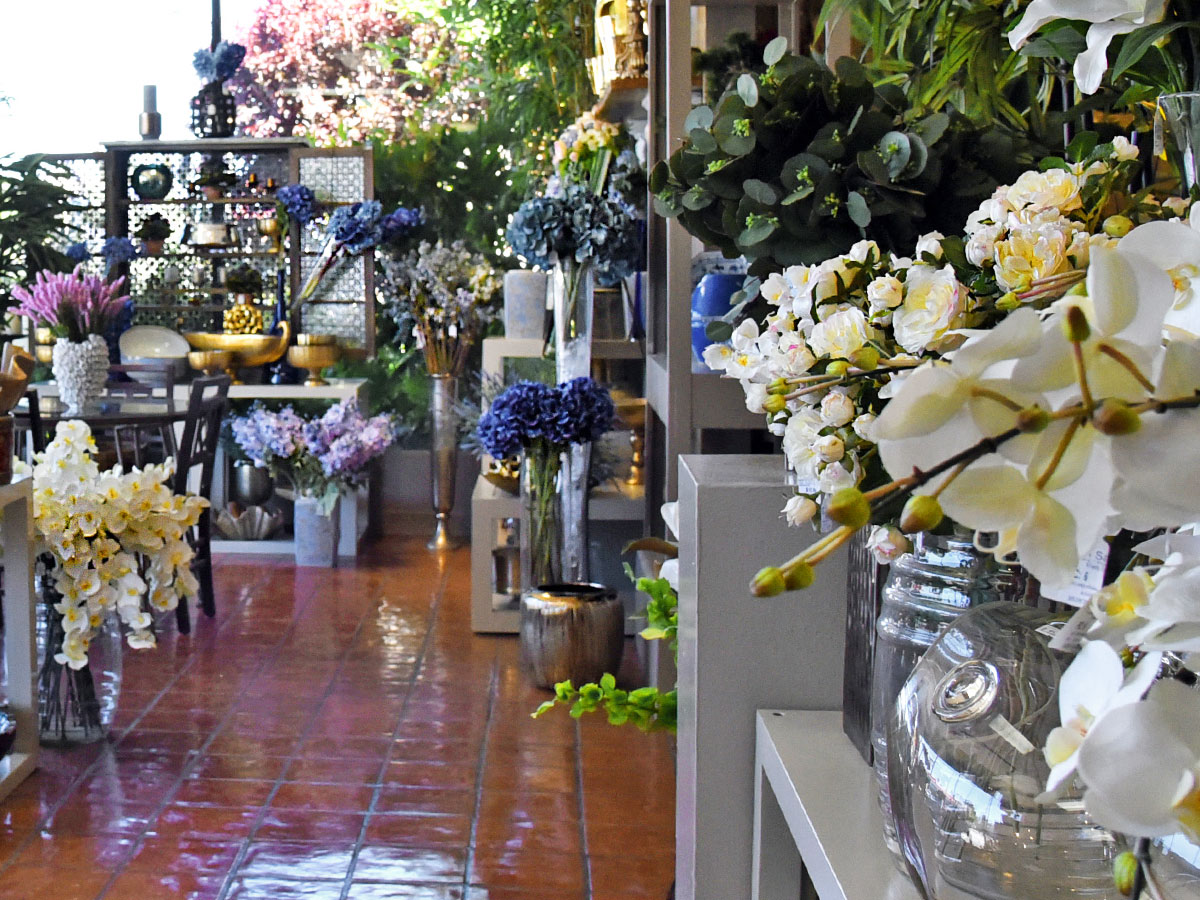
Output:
x=571 y=631
x=443 y=456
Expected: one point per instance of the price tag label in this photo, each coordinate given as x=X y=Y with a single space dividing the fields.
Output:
x=1089 y=578
x=1070 y=637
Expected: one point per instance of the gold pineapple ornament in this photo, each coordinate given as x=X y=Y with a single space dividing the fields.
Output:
x=244 y=317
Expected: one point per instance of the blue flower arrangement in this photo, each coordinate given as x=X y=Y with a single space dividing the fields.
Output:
x=356 y=228
x=578 y=225
x=117 y=250
x=298 y=202
x=218 y=64
x=532 y=415
x=78 y=252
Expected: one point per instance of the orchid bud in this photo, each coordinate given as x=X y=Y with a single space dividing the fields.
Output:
x=1118 y=226
x=769 y=582
x=779 y=386
x=798 y=576
x=1125 y=868
x=921 y=513
x=865 y=358
x=774 y=403
x=1008 y=302
x=849 y=507
x=1075 y=325
x=1115 y=417
x=1032 y=420
x=838 y=367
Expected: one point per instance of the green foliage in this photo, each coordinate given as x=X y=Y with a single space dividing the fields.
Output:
x=242 y=279
x=531 y=61
x=397 y=384
x=797 y=164
x=463 y=177
x=33 y=209
x=722 y=65
x=648 y=708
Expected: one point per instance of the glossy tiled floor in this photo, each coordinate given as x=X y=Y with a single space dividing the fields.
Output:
x=342 y=734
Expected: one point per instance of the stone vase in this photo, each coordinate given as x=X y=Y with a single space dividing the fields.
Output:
x=316 y=534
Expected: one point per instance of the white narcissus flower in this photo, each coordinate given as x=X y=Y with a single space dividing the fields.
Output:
x=841 y=333
x=1094 y=684
x=799 y=509
x=1108 y=19
x=887 y=544
x=775 y=289
x=717 y=356
x=933 y=304
x=1140 y=765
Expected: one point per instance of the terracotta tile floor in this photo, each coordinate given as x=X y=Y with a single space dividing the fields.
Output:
x=342 y=734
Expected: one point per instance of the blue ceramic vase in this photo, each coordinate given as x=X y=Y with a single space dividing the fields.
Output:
x=710 y=301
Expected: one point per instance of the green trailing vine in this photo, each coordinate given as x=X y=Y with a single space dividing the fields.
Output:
x=648 y=708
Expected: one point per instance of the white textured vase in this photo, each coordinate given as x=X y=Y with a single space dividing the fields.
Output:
x=316 y=535
x=80 y=370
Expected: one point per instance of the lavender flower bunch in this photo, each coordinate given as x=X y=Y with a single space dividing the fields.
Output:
x=443 y=294
x=530 y=416
x=353 y=230
x=73 y=306
x=218 y=64
x=323 y=457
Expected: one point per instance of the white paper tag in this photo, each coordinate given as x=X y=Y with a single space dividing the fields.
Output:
x=1070 y=637
x=1089 y=578
x=1008 y=731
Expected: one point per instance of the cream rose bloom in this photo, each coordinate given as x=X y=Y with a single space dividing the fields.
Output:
x=885 y=292
x=799 y=509
x=933 y=305
x=837 y=409
x=1053 y=189
x=842 y=333
x=1029 y=254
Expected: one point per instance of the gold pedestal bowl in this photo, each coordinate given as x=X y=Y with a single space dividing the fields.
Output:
x=313 y=353
x=245 y=349
x=210 y=362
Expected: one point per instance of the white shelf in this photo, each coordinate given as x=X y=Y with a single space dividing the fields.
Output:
x=826 y=795
x=20 y=654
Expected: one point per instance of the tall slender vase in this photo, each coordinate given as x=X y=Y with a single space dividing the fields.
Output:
x=541 y=551
x=1181 y=115
x=571 y=286
x=443 y=455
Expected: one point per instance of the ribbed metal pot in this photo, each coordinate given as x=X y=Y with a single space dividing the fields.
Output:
x=571 y=631
x=251 y=486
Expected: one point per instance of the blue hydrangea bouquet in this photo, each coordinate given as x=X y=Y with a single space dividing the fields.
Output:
x=354 y=229
x=540 y=422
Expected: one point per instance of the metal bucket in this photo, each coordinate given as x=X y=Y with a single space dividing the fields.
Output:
x=571 y=632
x=251 y=486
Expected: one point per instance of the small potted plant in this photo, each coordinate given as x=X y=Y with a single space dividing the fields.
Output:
x=244 y=283
x=153 y=232
x=213 y=180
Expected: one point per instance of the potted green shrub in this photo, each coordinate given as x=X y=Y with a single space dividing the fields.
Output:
x=153 y=232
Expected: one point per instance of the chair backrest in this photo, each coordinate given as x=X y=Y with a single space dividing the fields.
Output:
x=141 y=379
x=37 y=431
x=197 y=448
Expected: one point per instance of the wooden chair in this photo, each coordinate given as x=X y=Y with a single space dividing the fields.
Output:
x=194 y=464
x=152 y=377
x=37 y=438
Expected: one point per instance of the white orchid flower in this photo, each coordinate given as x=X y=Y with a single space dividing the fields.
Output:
x=1175 y=248
x=1140 y=765
x=1094 y=684
x=1172 y=612
x=1108 y=19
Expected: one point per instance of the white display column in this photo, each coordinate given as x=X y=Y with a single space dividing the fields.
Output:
x=739 y=654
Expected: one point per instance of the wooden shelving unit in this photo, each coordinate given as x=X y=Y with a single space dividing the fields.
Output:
x=20 y=652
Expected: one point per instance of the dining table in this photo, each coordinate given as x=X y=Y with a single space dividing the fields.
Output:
x=142 y=428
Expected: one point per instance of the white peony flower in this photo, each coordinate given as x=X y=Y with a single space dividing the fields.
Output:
x=933 y=304
x=1054 y=189
x=1125 y=151
x=887 y=544
x=842 y=333
x=885 y=292
x=799 y=509
x=930 y=243
x=837 y=409
x=834 y=477
x=981 y=246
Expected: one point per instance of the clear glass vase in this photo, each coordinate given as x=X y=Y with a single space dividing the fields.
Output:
x=571 y=289
x=926 y=590
x=1180 y=116
x=541 y=549
x=964 y=750
x=75 y=706
x=574 y=486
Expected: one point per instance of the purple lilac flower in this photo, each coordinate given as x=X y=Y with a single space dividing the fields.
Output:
x=265 y=436
x=78 y=252
x=299 y=201
x=349 y=453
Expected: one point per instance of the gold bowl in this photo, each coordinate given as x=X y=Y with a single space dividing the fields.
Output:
x=210 y=362
x=315 y=340
x=314 y=358
x=247 y=349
